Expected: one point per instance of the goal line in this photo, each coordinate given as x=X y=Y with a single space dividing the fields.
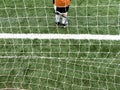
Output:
x=60 y=36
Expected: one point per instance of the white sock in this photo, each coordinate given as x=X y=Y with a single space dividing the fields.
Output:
x=64 y=20
x=57 y=17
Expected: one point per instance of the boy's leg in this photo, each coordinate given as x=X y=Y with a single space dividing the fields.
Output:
x=64 y=19
x=57 y=16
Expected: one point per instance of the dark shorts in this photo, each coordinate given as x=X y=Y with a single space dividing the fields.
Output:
x=62 y=10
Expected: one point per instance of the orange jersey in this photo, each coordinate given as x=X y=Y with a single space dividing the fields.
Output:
x=62 y=3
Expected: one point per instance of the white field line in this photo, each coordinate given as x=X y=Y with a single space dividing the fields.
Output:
x=59 y=36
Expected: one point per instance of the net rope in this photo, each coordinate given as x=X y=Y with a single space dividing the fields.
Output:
x=37 y=55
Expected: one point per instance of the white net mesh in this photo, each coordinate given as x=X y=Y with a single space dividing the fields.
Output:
x=85 y=17
x=61 y=63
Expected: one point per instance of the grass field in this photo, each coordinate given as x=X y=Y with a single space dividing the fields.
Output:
x=87 y=17
x=60 y=64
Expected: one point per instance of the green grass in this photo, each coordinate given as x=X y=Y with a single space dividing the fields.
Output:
x=59 y=64
x=101 y=19
x=81 y=65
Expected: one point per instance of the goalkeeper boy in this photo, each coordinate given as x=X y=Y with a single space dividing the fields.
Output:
x=61 y=8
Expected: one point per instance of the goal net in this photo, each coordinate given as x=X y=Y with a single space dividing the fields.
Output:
x=37 y=55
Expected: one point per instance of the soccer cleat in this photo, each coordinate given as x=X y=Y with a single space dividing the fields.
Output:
x=64 y=25
x=58 y=23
